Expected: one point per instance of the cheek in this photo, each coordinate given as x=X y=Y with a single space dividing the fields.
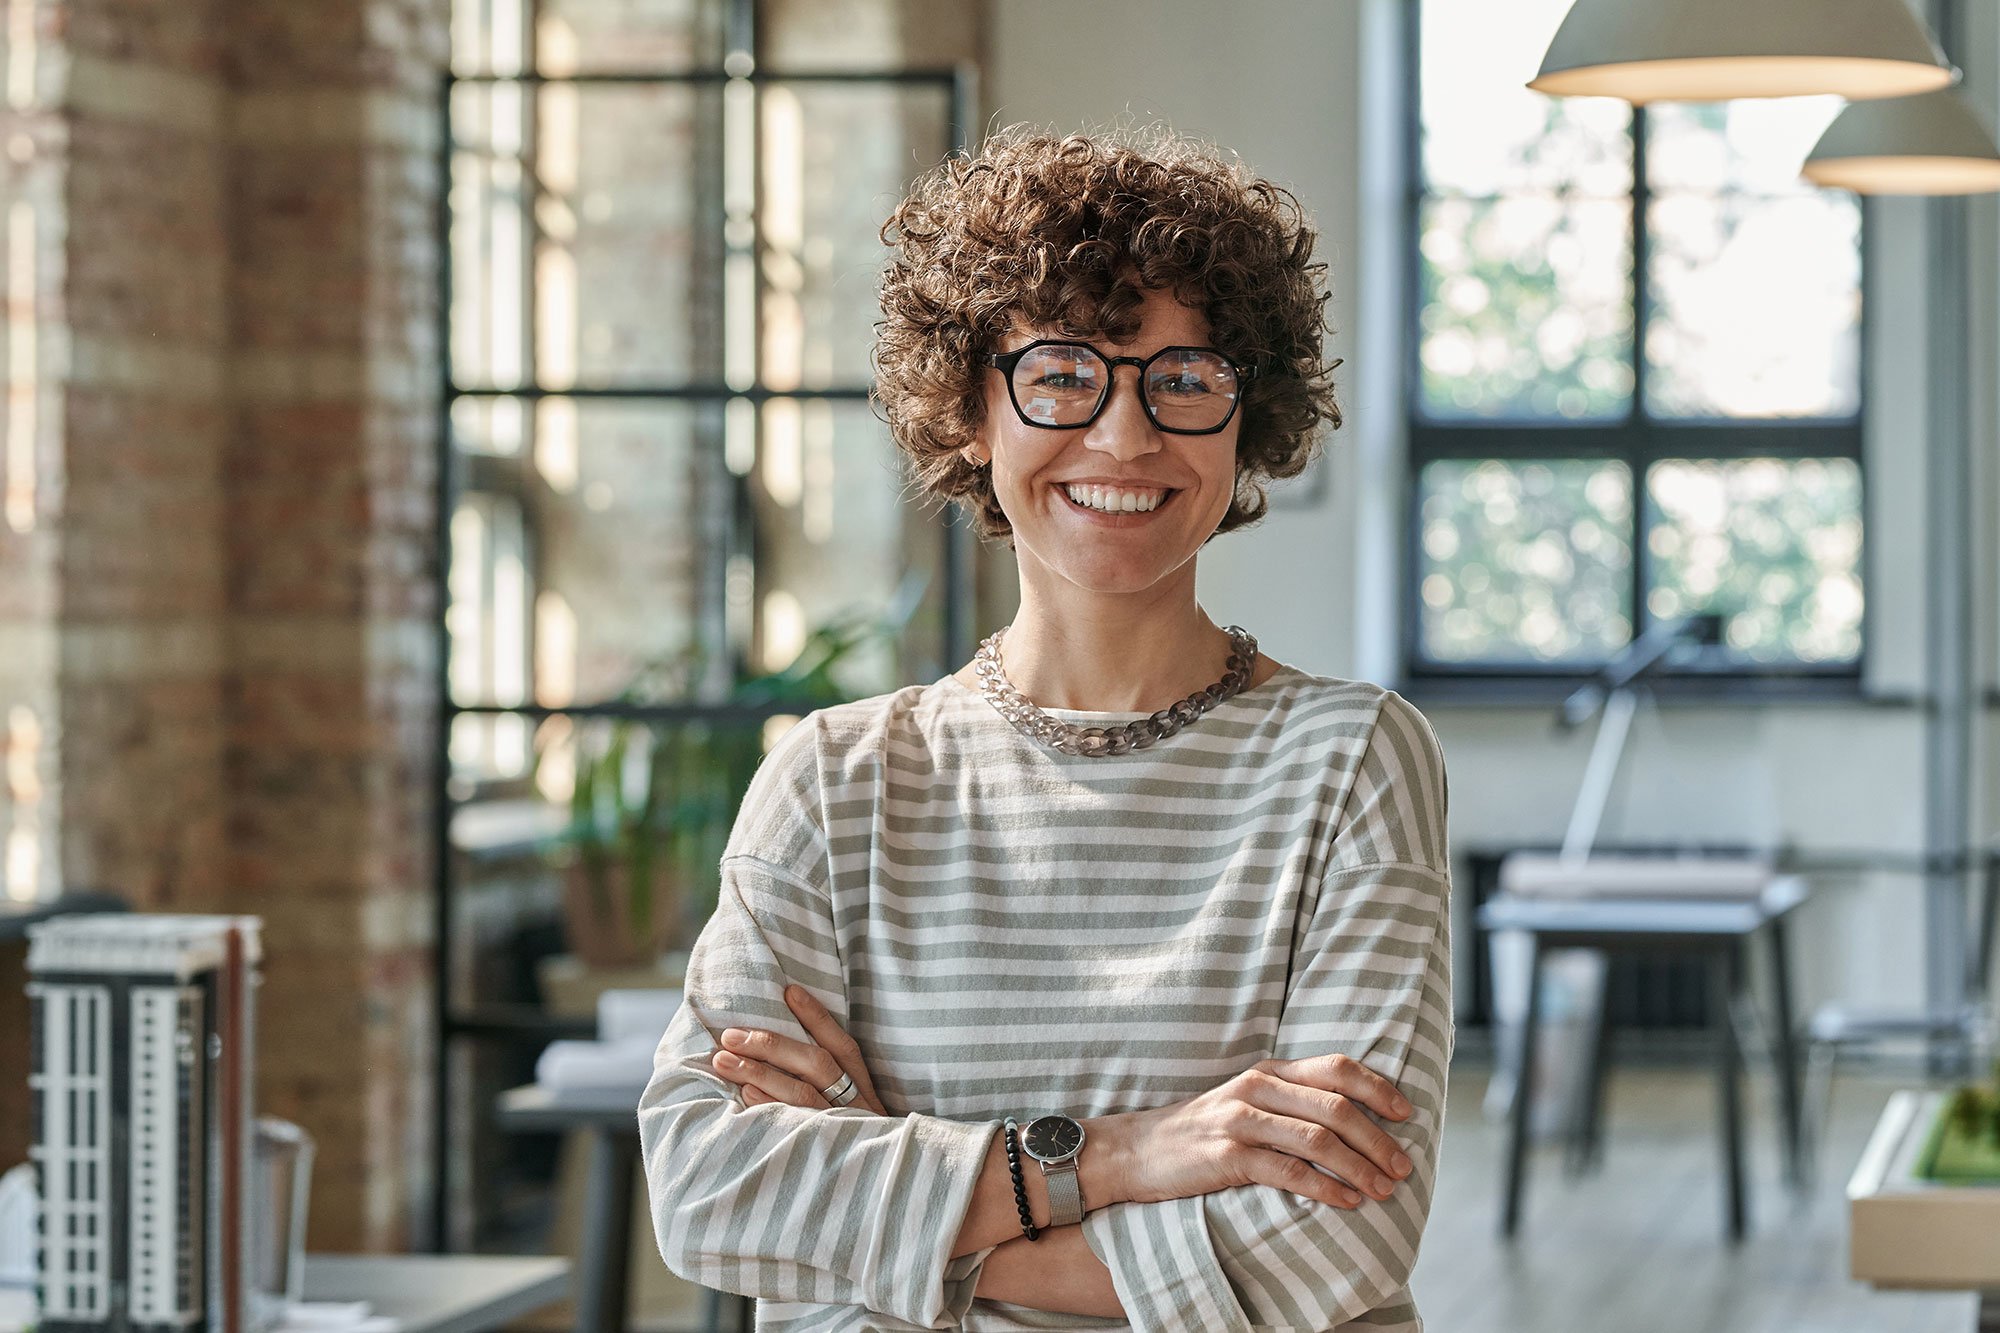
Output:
x=1220 y=478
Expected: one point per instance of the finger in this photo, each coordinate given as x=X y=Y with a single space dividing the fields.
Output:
x=781 y=1086
x=1342 y=1073
x=1343 y=1116
x=1313 y=1143
x=801 y=1059
x=832 y=1037
x=1283 y=1171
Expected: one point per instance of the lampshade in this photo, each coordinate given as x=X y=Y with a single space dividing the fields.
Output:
x=1933 y=144
x=1713 y=50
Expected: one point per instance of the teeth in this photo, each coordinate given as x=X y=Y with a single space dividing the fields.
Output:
x=1115 y=501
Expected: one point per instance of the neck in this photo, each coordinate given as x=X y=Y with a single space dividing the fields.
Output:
x=1124 y=653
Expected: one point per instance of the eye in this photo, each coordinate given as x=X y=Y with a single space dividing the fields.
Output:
x=1069 y=371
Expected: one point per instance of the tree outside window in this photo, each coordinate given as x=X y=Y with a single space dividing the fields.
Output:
x=1635 y=370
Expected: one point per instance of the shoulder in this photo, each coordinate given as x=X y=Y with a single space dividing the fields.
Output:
x=1402 y=736
x=1364 y=716
x=1397 y=800
x=783 y=817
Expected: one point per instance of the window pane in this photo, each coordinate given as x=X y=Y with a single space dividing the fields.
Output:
x=1485 y=133
x=862 y=35
x=1773 y=545
x=496 y=426
x=629 y=240
x=619 y=503
x=1756 y=305
x=491 y=237
x=837 y=539
x=622 y=551
x=1755 y=144
x=836 y=159
x=491 y=591
x=1526 y=308
x=1524 y=561
x=582 y=36
x=580 y=251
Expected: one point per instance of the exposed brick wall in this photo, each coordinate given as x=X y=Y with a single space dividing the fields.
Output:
x=33 y=176
x=335 y=374
x=141 y=615
x=217 y=593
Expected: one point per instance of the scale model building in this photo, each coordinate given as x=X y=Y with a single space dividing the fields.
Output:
x=143 y=1034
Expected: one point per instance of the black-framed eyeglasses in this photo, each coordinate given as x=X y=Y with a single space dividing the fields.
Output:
x=1061 y=384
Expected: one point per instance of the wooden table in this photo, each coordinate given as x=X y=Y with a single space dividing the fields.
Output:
x=1715 y=929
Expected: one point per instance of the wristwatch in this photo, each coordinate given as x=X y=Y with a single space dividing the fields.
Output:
x=1055 y=1140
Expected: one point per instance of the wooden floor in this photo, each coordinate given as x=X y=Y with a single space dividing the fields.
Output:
x=1639 y=1244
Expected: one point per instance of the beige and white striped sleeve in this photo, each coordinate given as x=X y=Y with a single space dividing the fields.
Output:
x=837 y=1206
x=1372 y=977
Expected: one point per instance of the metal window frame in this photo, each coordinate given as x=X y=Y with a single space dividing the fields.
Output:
x=1638 y=441
x=516 y=1024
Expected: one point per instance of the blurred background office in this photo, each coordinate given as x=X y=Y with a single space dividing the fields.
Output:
x=437 y=461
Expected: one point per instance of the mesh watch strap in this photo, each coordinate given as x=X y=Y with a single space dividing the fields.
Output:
x=1065 y=1194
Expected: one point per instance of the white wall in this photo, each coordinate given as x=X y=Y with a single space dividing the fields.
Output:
x=1308 y=94
x=1272 y=81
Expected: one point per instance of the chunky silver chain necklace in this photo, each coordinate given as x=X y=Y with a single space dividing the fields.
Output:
x=1097 y=741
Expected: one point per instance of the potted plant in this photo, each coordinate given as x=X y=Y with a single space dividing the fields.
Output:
x=1965 y=1142
x=653 y=802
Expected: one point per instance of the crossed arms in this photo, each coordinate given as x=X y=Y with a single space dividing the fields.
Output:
x=847 y=1207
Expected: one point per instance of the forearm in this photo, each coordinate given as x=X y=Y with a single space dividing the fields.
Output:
x=993 y=1217
x=1057 y=1271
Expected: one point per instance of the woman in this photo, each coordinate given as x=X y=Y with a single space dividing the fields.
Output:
x=1202 y=959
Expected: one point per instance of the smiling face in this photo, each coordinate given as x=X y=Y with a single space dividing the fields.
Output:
x=1123 y=552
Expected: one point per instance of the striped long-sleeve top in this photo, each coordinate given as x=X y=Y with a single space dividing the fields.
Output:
x=1009 y=930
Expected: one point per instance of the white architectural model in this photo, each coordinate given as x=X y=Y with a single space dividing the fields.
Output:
x=141 y=1074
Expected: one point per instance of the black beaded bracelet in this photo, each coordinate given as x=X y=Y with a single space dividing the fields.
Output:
x=1028 y=1226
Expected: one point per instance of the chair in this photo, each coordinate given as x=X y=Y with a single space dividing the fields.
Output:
x=1966 y=1026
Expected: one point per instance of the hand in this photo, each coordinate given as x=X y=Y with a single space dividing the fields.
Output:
x=773 y=1068
x=1264 y=1127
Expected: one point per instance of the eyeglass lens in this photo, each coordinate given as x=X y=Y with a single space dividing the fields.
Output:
x=1057 y=385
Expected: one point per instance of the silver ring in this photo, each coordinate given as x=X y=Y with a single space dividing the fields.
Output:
x=842 y=1093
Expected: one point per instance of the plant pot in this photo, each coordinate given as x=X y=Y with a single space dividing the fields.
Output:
x=601 y=932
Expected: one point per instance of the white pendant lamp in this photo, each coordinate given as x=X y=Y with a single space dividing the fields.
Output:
x=1933 y=144
x=1713 y=50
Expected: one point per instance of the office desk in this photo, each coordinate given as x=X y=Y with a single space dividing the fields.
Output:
x=1717 y=930
x=439 y=1293
x=611 y=1119
x=423 y=1293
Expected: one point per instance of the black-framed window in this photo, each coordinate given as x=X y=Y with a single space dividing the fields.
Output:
x=660 y=480
x=1634 y=371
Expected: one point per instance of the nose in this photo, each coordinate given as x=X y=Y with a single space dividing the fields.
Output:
x=1122 y=429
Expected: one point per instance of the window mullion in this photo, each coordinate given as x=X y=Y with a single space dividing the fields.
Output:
x=1640 y=436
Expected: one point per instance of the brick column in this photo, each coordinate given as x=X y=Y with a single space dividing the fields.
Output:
x=329 y=540
x=215 y=521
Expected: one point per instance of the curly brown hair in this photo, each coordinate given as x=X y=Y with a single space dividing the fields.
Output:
x=1053 y=230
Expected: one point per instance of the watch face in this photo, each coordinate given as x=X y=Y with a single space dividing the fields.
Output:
x=1052 y=1137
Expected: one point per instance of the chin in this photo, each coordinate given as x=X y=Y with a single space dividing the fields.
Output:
x=1115 y=576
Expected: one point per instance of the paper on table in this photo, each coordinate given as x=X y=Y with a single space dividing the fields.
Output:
x=333 y=1317
x=577 y=1065
x=630 y=1014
